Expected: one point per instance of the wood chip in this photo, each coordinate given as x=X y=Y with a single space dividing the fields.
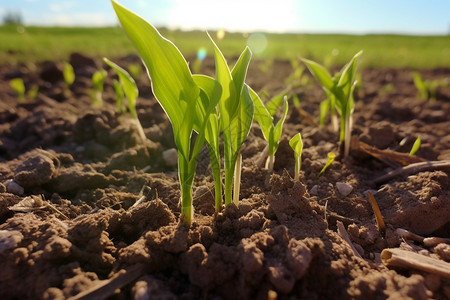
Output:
x=410 y=260
x=344 y=234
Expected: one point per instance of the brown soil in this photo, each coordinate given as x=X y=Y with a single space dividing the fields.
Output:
x=91 y=168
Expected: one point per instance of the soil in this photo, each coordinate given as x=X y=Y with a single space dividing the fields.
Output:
x=88 y=209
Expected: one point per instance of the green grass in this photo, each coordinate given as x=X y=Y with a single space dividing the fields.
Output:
x=41 y=43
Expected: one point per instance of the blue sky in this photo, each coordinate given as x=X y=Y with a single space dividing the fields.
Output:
x=324 y=16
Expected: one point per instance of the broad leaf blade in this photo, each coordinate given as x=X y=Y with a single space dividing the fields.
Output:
x=240 y=125
x=278 y=129
x=320 y=73
x=172 y=82
x=262 y=115
x=273 y=104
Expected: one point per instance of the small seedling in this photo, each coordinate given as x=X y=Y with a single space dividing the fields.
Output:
x=331 y=157
x=135 y=71
x=19 y=87
x=339 y=90
x=33 y=92
x=296 y=144
x=98 y=78
x=264 y=116
x=68 y=74
x=415 y=146
x=427 y=88
x=131 y=92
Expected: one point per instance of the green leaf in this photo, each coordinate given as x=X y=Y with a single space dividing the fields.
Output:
x=119 y=96
x=128 y=84
x=320 y=73
x=68 y=74
x=421 y=86
x=324 y=107
x=171 y=78
x=273 y=145
x=275 y=102
x=262 y=115
x=296 y=144
x=98 y=78
x=229 y=99
x=416 y=146
x=331 y=157
x=19 y=87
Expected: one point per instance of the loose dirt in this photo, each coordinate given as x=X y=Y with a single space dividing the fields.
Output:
x=89 y=210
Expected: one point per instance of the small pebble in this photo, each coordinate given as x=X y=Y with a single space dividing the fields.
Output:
x=344 y=188
x=314 y=191
x=170 y=157
x=13 y=188
x=9 y=239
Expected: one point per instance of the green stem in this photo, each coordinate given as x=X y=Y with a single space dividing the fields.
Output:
x=186 y=182
x=228 y=185
x=215 y=166
x=270 y=162
x=237 y=179
x=297 y=167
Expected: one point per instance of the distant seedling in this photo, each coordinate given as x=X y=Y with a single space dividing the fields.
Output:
x=415 y=146
x=68 y=74
x=98 y=78
x=264 y=116
x=331 y=157
x=296 y=144
x=131 y=92
x=427 y=88
x=339 y=90
x=19 y=87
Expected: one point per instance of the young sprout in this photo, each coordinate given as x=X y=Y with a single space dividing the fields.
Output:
x=19 y=87
x=131 y=92
x=135 y=71
x=415 y=146
x=98 y=78
x=236 y=111
x=264 y=116
x=331 y=157
x=32 y=93
x=296 y=144
x=339 y=90
x=68 y=74
x=186 y=104
x=427 y=88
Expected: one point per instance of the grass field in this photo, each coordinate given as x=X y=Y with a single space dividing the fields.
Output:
x=34 y=44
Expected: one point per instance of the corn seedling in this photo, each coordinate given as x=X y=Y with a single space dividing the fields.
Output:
x=131 y=92
x=186 y=104
x=415 y=146
x=264 y=116
x=331 y=157
x=98 y=78
x=427 y=88
x=135 y=70
x=68 y=74
x=19 y=87
x=236 y=109
x=296 y=144
x=32 y=93
x=339 y=90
